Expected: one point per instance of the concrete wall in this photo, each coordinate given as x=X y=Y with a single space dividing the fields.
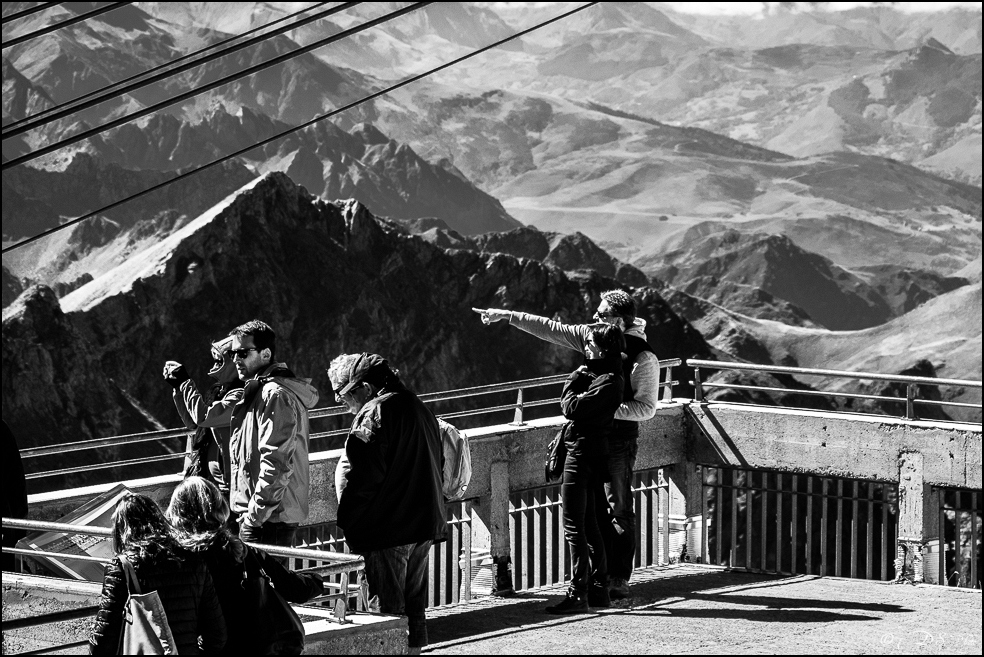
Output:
x=835 y=444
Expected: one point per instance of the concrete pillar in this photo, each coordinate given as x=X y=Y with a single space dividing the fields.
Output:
x=498 y=523
x=913 y=498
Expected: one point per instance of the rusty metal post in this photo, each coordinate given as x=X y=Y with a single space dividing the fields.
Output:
x=668 y=390
x=698 y=391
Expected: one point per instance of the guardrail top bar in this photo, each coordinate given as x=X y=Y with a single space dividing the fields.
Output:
x=327 y=411
x=895 y=378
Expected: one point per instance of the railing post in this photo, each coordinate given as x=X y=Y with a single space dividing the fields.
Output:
x=518 y=416
x=698 y=391
x=499 y=530
x=668 y=390
x=910 y=397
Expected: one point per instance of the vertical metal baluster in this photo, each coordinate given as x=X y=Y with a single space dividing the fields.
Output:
x=665 y=525
x=824 y=501
x=516 y=525
x=466 y=547
x=765 y=522
x=698 y=391
x=748 y=519
x=943 y=577
x=975 y=508
x=794 y=529
x=550 y=524
x=644 y=520
x=855 y=529
x=539 y=548
x=434 y=581
x=839 y=530
x=780 y=545
x=888 y=547
x=454 y=554
x=809 y=524
x=870 y=567
x=705 y=555
x=733 y=557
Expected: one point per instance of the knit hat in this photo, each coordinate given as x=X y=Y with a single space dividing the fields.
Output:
x=360 y=368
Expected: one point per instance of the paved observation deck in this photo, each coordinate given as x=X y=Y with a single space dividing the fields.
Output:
x=693 y=609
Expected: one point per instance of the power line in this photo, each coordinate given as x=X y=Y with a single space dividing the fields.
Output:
x=27 y=12
x=191 y=93
x=100 y=95
x=57 y=26
x=306 y=124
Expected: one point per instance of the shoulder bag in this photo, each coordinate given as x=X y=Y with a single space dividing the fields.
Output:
x=145 y=628
x=553 y=467
x=278 y=629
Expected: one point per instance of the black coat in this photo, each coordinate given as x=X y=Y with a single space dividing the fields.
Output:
x=227 y=573
x=392 y=493
x=589 y=400
x=187 y=594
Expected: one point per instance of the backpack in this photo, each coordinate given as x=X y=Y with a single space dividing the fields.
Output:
x=145 y=628
x=457 y=462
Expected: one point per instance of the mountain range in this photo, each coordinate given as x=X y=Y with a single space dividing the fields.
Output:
x=799 y=187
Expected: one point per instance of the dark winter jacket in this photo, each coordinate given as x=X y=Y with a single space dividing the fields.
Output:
x=589 y=400
x=186 y=592
x=226 y=569
x=389 y=480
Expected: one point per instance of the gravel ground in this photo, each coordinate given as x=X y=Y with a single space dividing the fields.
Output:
x=698 y=610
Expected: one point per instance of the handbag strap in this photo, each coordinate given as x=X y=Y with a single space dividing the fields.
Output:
x=250 y=553
x=130 y=574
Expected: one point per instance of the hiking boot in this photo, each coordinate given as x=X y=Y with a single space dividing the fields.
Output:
x=619 y=590
x=575 y=602
x=598 y=595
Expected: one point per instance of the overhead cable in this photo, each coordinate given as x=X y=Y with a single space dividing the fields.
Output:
x=306 y=124
x=57 y=26
x=27 y=12
x=121 y=87
x=191 y=93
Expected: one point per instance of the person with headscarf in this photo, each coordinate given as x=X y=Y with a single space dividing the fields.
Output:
x=209 y=414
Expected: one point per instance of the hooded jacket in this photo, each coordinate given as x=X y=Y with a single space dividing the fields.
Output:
x=389 y=484
x=269 y=448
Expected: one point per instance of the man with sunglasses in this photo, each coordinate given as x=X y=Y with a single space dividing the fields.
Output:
x=269 y=444
x=641 y=392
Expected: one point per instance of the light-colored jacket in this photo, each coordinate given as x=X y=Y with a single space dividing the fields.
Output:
x=644 y=378
x=269 y=448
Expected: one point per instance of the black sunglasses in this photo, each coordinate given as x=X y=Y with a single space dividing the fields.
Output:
x=242 y=353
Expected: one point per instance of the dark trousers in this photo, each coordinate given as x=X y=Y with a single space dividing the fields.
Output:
x=583 y=494
x=398 y=576
x=619 y=524
x=271 y=533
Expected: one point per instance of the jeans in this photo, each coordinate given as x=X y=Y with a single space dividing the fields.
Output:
x=398 y=576
x=582 y=491
x=620 y=529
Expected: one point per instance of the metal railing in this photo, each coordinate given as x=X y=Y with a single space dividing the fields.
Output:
x=519 y=387
x=335 y=566
x=912 y=384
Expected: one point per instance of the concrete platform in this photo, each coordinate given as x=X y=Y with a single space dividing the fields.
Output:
x=703 y=610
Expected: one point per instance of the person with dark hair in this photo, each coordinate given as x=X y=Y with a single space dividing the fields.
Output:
x=210 y=414
x=591 y=395
x=640 y=371
x=199 y=514
x=389 y=485
x=143 y=536
x=269 y=442
x=14 y=493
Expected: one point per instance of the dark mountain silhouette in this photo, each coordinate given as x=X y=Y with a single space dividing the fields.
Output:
x=330 y=277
